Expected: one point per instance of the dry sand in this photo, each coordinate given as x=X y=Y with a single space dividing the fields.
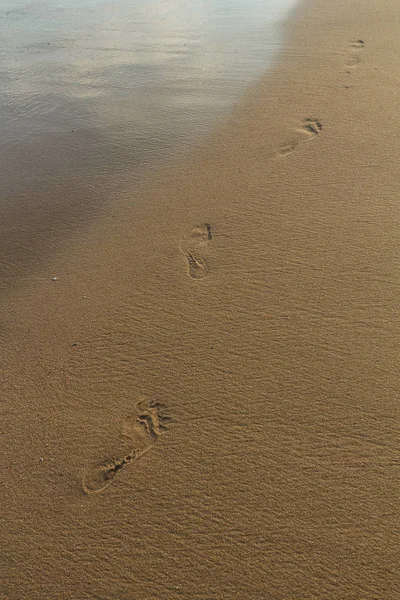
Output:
x=232 y=433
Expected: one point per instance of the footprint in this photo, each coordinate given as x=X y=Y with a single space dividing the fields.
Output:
x=355 y=47
x=199 y=238
x=358 y=44
x=353 y=61
x=150 y=423
x=310 y=128
x=287 y=149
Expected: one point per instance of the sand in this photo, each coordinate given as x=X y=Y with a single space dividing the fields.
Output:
x=205 y=403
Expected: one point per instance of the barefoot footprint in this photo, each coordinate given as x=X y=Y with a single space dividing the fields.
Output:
x=150 y=423
x=310 y=128
x=191 y=247
x=355 y=48
x=357 y=45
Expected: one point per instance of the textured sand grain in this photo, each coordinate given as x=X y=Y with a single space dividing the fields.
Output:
x=254 y=294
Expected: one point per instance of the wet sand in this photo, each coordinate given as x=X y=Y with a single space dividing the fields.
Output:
x=97 y=95
x=204 y=403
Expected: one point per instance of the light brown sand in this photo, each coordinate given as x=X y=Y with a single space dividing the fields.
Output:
x=277 y=359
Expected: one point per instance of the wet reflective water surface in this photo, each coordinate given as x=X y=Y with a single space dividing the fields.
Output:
x=93 y=88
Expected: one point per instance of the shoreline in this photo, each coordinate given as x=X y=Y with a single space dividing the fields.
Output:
x=248 y=306
x=66 y=172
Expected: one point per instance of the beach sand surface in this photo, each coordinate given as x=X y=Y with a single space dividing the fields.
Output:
x=205 y=403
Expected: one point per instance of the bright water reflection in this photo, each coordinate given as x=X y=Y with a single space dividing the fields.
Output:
x=146 y=74
x=93 y=89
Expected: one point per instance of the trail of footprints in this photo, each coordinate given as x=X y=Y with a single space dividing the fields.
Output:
x=151 y=420
x=199 y=238
x=150 y=423
x=192 y=248
x=311 y=127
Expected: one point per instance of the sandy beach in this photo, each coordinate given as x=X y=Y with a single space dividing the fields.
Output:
x=200 y=388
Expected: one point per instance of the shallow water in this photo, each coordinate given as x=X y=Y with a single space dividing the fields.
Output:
x=92 y=89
